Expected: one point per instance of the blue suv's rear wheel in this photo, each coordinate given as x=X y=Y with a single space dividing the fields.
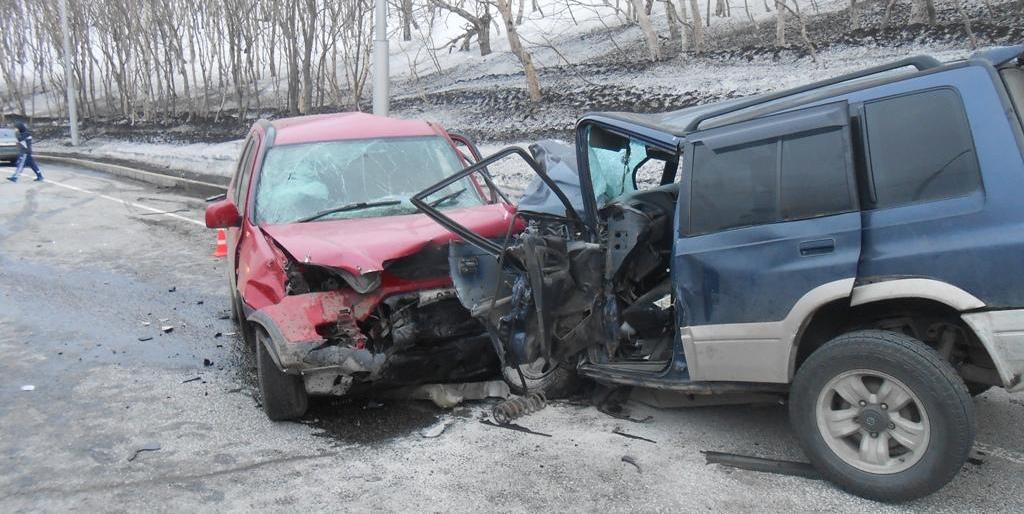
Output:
x=882 y=415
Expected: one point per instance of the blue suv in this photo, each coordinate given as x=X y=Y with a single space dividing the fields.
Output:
x=856 y=245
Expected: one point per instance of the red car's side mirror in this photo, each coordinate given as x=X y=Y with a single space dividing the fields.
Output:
x=222 y=214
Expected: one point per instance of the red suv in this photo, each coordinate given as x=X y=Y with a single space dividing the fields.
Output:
x=334 y=277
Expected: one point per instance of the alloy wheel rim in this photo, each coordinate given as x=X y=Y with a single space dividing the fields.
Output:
x=872 y=421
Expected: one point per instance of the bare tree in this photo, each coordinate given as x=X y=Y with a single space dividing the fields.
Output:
x=696 y=28
x=780 y=23
x=653 y=47
x=532 y=81
x=923 y=12
x=479 y=21
x=672 y=16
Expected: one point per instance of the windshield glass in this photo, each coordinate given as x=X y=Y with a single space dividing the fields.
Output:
x=299 y=181
x=612 y=160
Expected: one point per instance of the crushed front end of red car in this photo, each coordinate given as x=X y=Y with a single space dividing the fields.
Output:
x=349 y=304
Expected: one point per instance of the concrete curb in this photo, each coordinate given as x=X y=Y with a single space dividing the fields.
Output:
x=185 y=184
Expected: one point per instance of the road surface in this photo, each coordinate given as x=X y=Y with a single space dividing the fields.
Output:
x=91 y=269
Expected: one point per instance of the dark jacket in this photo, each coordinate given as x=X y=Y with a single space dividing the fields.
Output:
x=25 y=138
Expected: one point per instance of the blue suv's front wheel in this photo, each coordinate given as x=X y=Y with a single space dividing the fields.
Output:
x=882 y=415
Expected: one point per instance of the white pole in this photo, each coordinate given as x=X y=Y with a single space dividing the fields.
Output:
x=381 y=93
x=68 y=75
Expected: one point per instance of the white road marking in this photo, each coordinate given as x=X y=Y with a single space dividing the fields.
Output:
x=126 y=202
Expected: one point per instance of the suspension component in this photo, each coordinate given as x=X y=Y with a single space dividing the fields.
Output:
x=513 y=408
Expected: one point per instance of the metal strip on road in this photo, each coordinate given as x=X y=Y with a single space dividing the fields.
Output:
x=126 y=202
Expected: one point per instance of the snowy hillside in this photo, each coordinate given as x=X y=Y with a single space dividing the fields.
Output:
x=590 y=56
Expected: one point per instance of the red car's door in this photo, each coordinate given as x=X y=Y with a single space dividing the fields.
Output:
x=239 y=192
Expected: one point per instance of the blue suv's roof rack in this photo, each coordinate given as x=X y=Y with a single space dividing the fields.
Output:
x=1000 y=55
x=921 y=62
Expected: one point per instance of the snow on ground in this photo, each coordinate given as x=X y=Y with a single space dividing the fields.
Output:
x=204 y=158
x=600 y=64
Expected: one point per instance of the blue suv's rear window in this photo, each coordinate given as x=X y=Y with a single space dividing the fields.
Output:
x=920 y=148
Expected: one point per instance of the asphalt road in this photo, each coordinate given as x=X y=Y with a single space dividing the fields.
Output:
x=89 y=266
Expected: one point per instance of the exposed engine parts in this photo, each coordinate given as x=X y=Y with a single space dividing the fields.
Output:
x=513 y=408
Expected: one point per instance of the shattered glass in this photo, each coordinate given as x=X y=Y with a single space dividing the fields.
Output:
x=611 y=170
x=298 y=181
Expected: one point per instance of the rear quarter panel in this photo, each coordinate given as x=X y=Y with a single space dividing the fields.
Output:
x=974 y=242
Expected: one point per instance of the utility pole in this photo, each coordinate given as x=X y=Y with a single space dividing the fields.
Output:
x=381 y=86
x=68 y=74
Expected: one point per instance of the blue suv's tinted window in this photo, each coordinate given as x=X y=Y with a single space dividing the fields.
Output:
x=734 y=187
x=920 y=148
x=815 y=175
x=745 y=185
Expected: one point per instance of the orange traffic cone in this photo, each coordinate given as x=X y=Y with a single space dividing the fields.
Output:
x=222 y=244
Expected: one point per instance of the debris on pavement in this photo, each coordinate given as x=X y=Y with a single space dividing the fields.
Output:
x=437 y=428
x=224 y=315
x=664 y=399
x=513 y=427
x=167 y=329
x=447 y=396
x=145 y=323
x=172 y=289
x=218 y=334
x=618 y=431
x=146 y=447
x=193 y=379
x=750 y=463
x=504 y=412
x=631 y=460
x=145 y=338
x=28 y=387
x=207 y=363
x=610 y=401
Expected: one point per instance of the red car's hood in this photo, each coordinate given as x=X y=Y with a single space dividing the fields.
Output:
x=363 y=245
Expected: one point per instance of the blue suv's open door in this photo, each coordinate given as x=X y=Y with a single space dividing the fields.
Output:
x=769 y=231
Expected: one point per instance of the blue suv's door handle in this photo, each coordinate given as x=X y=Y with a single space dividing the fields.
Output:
x=817 y=247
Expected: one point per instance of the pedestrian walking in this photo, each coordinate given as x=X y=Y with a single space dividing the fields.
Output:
x=25 y=153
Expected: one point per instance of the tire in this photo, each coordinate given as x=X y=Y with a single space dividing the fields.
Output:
x=284 y=395
x=560 y=382
x=937 y=415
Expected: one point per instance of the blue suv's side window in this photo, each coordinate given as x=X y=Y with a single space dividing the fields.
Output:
x=793 y=177
x=920 y=148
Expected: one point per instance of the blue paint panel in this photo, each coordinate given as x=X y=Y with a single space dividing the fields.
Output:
x=974 y=242
x=756 y=274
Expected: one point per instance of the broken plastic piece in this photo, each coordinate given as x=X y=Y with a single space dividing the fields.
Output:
x=147 y=447
x=447 y=396
x=167 y=329
x=437 y=428
x=630 y=460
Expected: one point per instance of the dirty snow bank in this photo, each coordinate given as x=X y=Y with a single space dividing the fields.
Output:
x=205 y=158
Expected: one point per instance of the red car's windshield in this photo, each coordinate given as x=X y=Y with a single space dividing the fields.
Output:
x=299 y=181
